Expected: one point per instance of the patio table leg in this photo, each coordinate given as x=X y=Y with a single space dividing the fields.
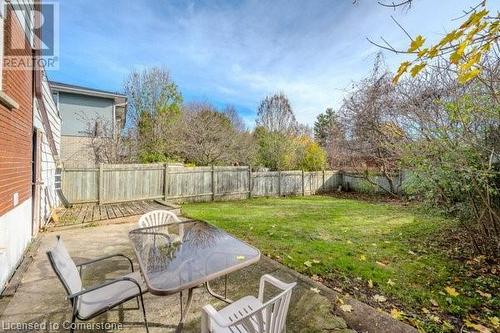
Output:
x=214 y=294
x=185 y=311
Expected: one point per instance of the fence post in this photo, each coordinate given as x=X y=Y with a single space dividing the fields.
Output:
x=100 y=185
x=303 y=184
x=323 y=186
x=213 y=182
x=279 y=183
x=249 y=182
x=165 y=183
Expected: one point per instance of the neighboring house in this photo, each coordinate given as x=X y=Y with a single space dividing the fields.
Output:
x=85 y=112
x=29 y=140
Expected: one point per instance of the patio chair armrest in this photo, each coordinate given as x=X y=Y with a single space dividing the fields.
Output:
x=209 y=313
x=275 y=282
x=89 y=262
x=121 y=279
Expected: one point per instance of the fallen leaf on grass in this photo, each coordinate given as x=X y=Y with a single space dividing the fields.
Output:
x=412 y=253
x=346 y=308
x=494 y=321
x=391 y=283
x=483 y=294
x=435 y=318
x=478 y=327
x=396 y=314
x=349 y=242
x=381 y=263
x=451 y=291
x=434 y=303
x=339 y=290
x=307 y=263
x=316 y=261
x=425 y=310
x=379 y=298
x=362 y=257
x=316 y=290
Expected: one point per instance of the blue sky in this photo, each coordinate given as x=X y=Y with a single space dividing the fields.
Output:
x=237 y=52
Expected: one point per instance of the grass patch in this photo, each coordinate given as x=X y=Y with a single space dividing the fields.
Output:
x=348 y=243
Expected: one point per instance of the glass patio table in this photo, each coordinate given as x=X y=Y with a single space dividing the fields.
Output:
x=185 y=255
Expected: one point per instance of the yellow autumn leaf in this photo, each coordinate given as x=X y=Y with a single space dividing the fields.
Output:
x=494 y=321
x=472 y=60
x=464 y=77
x=478 y=327
x=451 y=291
x=362 y=257
x=346 y=308
x=416 y=43
x=417 y=68
x=370 y=283
x=433 y=51
x=422 y=52
x=396 y=314
x=390 y=282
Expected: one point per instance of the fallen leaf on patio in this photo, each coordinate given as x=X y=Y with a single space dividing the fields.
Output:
x=451 y=291
x=483 y=294
x=478 y=327
x=396 y=314
x=307 y=263
x=240 y=258
x=316 y=290
x=370 y=283
x=390 y=282
x=494 y=321
x=346 y=308
x=362 y=257
x=379 y=298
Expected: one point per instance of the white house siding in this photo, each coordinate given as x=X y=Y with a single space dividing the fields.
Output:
x=49 y=198
x=14 y=238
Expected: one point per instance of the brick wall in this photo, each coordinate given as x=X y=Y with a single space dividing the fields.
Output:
x=16 y=126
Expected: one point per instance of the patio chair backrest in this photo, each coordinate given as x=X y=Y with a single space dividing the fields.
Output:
x=269 y=318
x=64 y=267
x=157 y=217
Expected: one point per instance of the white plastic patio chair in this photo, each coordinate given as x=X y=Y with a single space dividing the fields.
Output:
x=88 y=303
x=162 y=217
x=250 y=314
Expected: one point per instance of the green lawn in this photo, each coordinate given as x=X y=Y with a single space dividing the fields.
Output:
x=355 y=244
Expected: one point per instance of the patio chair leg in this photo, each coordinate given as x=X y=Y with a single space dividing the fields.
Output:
x=180 y=299
x=144 y=313
x=73 y=320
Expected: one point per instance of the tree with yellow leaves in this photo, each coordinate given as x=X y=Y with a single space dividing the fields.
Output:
x=464 y=47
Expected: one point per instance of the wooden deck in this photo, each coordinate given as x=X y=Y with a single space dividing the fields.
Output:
x=87 y=213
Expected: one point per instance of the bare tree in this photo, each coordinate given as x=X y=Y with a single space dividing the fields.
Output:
x=275 y=115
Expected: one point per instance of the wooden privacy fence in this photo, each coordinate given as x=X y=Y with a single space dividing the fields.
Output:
x=129 y=182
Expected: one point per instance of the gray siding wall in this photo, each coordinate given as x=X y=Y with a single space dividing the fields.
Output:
x=78 y=110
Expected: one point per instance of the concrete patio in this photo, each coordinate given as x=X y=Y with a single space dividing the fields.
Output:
x=40 y=298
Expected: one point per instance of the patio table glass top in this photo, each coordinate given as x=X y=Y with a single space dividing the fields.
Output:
x=184 y=255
